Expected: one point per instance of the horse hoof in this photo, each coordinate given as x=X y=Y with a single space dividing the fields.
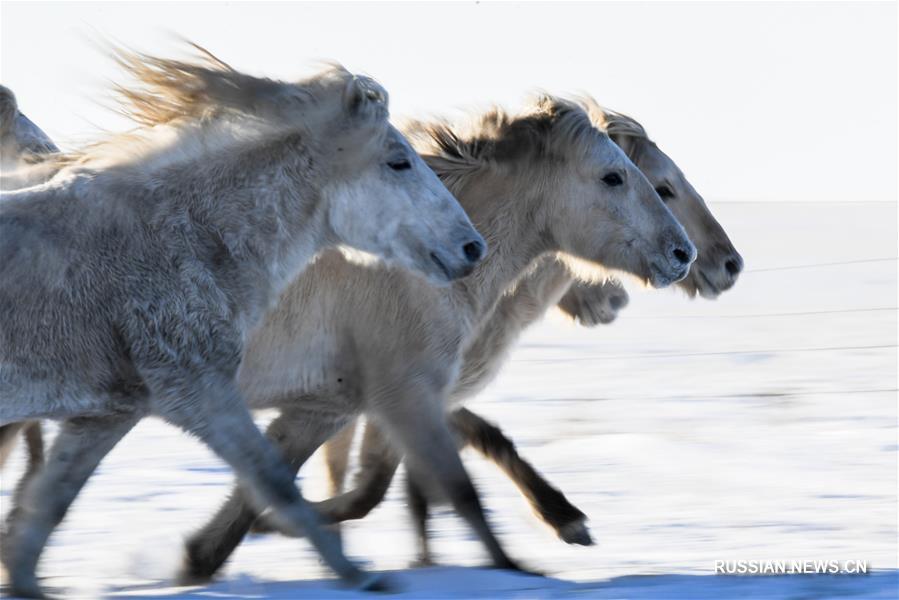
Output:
x=197 y=567
x=375 y=582
x=18 y=581
x=186 y=578
x=575 y=532
x=422 y=562
x=511 y=565
x=23 y=590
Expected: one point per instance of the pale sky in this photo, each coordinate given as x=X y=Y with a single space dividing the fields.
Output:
x=755 y=101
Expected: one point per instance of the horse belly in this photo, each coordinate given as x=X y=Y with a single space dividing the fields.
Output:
x=311 y=375
x=26 y=396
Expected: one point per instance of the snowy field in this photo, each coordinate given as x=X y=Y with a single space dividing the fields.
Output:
x=760 y=426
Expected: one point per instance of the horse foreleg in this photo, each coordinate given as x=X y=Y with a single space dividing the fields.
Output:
x=415 y=419
x=548 y=502
x=593 y=304
x=418 y=507
x=297 y=437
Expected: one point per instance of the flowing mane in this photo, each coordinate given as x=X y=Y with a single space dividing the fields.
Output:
x=549 y=127
x=207 y=87
x=625 y=130
x=203 y=102
x=612 y=122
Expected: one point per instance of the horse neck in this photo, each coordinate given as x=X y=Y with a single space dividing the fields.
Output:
x=488 y=344
x=522 y=304
x=258 y=200
x=506 y=215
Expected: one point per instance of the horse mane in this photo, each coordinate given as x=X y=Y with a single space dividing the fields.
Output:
x=204 y=96
x=207 y=86
x=549 y=127
x=626 y=131
x=613 y=122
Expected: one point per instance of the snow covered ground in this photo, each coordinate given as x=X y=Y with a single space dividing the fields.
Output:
x=761 y=426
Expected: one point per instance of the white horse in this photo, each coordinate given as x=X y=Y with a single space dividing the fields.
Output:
x=130 y=282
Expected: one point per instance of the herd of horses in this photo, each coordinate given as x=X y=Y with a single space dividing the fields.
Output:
x=260 y=244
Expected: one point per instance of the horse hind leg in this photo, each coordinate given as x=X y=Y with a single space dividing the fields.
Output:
x=8 y=435
x=79 y=447
x=34 y=444
x=336 y=452
x=378 y=462
x=337 y=455
x=415 y=419
x=549 y=503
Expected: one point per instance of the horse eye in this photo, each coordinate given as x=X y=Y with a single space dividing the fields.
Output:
x=664 y=192
x=613 y=179
x=399 y=165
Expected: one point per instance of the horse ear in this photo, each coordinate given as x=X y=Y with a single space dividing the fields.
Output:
x=366 y=99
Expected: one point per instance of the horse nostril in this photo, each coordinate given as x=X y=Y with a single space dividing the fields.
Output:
x=616 y=302
x=733 y=267
x=681 y=255
x=473 y=251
